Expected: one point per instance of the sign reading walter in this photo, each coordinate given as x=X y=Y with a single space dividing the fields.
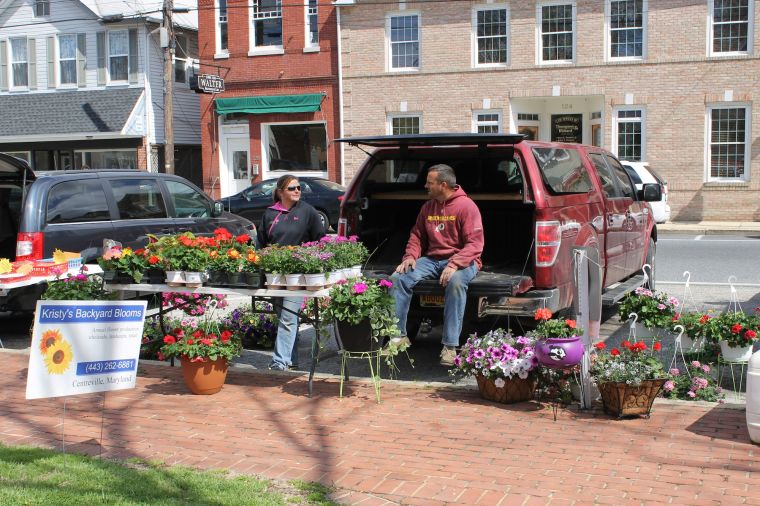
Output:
x=208 y=83
x=80 y=347
x=567 y=128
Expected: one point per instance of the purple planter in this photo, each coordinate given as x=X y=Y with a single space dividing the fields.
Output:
x=559 y=352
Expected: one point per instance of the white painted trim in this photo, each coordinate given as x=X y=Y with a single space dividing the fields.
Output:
x=79 y=136
x=747 y=141
x=308 y=46
x=266 y=50
x=265 y=171
x=643 y=121
x=539 y=38
x=57 y=62
x=341 y=103
x=608 y=34
x=9 y=59
x=390 y=116
x=750 y=31
x=219 y=52
x=476 y=123
x=109 y=81
x=389 y=50
x=474 y=35
x=253 y=49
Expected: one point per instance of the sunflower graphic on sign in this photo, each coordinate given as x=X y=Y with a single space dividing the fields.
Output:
x=56 y=351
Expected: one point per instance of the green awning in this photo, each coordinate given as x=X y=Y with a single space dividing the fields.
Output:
x=309 y=102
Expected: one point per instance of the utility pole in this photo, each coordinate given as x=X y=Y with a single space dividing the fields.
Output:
x=169 y=88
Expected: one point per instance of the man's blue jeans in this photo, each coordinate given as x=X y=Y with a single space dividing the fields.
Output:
x=286 y=344
x=455 y=295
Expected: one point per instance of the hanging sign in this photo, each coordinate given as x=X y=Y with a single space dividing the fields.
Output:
x=207 y=83
x=80 y=347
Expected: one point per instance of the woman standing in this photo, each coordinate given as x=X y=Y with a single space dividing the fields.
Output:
x=288 y=222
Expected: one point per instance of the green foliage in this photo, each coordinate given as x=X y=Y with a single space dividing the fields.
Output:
x=694 y=383
x=362 y=298
x=549 y=327
x=226 y=259
x=183 y=252
x=347 y=251
x=125 y=261
x=201 y=341
x=736 y=327
x=692 y=322
x=277 y=259
x=77 y=287
x=655 y=309
x=632 y=363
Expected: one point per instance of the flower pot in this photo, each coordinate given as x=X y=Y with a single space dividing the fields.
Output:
x=294 y=281
x=315 y=281
x=690 y=345
x=334 y=276
x=154 y=276
x=514 y=390
x=345 y=273
x=174 y=278
x=559 y=352
x=109 y=276
x=193 y=279
x=356 y=338
x=204 y=378
x=356 y=271
x=735 y=354
x=217 y=278
x=235 y=279
x=621 y=399
x=252 y=279
x=274 y=280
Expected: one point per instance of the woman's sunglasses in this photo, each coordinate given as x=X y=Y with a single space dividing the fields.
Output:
x=294 y=188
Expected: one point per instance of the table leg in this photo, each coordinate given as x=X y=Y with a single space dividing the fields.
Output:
x=314 y=348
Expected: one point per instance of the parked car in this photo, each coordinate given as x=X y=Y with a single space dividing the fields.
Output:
x=323 y=194
x=539 y=202
x=75 y=210
x=641 y=173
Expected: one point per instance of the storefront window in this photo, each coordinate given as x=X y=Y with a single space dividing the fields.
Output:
x=112 y=159
x=297 y=147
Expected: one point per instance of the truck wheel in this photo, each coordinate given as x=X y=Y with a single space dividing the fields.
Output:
x=651 y=251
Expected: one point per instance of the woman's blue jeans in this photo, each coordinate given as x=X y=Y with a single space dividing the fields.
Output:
x=455 y=295
x=286 y=344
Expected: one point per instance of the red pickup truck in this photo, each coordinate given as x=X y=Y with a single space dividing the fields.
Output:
x=539 y=201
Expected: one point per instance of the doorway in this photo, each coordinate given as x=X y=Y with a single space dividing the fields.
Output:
x=235 y=173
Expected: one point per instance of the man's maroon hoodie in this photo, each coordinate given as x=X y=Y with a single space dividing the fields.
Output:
x=452 y=229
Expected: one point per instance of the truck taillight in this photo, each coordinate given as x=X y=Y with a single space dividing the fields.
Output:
x=29 y=246
x=342 y=226
x=348 y=222
x=548 y=240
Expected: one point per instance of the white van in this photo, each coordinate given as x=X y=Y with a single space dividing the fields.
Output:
x=641 y=173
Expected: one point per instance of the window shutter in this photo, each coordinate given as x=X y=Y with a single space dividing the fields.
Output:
x=81 y=60
x=3 y=67
x=101 y=40
x=31 y=47
x=133 y=55
x=51 y=81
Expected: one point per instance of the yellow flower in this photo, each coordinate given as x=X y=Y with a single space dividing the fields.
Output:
x=5 y=266
x=58 y=357
x=126 y=252
x=49 y=338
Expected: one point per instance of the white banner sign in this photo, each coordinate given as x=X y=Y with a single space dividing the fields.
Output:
x=80 y=347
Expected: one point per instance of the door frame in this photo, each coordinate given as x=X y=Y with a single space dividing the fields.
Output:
x=227 y=132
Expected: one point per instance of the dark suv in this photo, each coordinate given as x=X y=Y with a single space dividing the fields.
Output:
x=76 y=210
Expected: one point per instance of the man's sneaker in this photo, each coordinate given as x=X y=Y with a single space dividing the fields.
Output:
x=448 y=353
x=276 y=366
x=397 y=343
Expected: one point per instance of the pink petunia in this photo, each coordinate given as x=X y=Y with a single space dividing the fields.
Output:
x=385 y=283
x=360 y=288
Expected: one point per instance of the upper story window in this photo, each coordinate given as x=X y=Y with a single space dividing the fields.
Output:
x=41 y=8
x=627 y=24
x=67 y=59
x=491 y=34
x=404 y=39
x=221 y=26
x=19 y=62
x=267 y=23
x=118 y=55
x=557 y=30
x=487 y=122
x=731 y=27
x=728 y=149
x=628 y=134
x=404 y=124
x=312 y=27
x=180 y=59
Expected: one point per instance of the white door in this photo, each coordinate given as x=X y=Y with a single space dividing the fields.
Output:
x=236 y=166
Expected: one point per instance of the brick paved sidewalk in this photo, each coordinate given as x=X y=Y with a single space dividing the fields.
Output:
x=422 y=445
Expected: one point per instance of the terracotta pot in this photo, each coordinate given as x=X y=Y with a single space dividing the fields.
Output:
x=559 y=352
x=204 y=378
x=514 y=390
x=621 y=399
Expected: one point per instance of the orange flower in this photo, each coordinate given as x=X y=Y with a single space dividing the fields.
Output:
x=233 y=253
x=542 y=314
x=213 y=253
x=252 y=256
x=570 y=323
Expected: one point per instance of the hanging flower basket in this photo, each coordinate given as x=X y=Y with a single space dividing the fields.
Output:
x=506 y=391
x=735 y=353
x=622 y=399
x=560 y=352
x=356 y=338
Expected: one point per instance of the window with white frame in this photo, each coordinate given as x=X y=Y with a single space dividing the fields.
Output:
x=267 y=23
x=487 y=122
x=731 y=25
x=404 y=124
x=295 y=147
x=19 y=62
x=118 y=55
x=312 y=26
x=627 y=22
x=491 y=25
x=557 y=28
x=728 y=145
x=629 y=134
x=180 y=59
x=41 y=8
x=404 y=39
x=221 y=26
x=67 y=59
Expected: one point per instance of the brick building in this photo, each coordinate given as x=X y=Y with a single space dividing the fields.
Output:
x=280 y=108
x=673 y=83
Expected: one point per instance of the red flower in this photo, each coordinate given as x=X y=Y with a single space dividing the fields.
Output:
x=614 y=352
x=140 y=251
x=243 y=238
x=750 y=334
x=207 y=342
x=626 y=344
x=197 y=334
x=704 y=319
x=225 y=336
x=169 y=339
x=190 y=341
x=570 y=323
x=600 y=346
x=657 y=346
x=542 y=314
x=676 y=317
x=736 y=328
x=153 y=260
x=185 y=240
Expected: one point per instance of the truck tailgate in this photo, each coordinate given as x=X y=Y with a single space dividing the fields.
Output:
x=485 y=284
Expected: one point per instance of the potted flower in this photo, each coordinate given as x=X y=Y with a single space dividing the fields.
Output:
x=204 y=350
x=257 y=329
x=276 y=261
x=313 y=260
x=250 y=268
x=127 y=264
x=693 y=323
x=735 y=332
x=504 y=365
x=77 y=287
x=629 y=377
x=559 y=343
x=655 y=310
x=225 y=266
x=184 y=253
x=693 y=383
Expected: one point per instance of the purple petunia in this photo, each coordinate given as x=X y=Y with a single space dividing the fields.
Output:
x=479 y=354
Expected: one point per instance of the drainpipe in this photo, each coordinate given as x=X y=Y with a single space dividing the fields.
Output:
x=340 y=99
